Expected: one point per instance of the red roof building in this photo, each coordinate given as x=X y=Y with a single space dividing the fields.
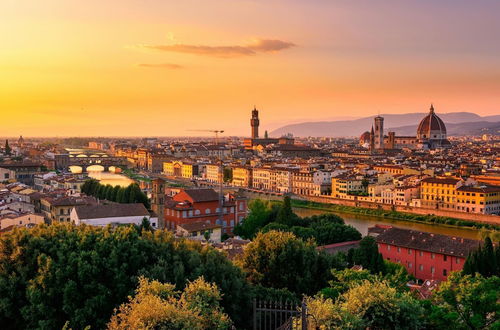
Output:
x=424 y=255
x=195 y=205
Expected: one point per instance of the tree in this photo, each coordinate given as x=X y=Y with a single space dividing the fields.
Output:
x=281 y=260
x=8 y=149
x=159 y=306
x=266 y=135
x=114 y=195
x=109 y=192
x=367 y=255
x=258 y=216
x=228 y=174
x=81 y=273
x=484 y=260
x=382 y=306
x=285 y=214
x=466 y=302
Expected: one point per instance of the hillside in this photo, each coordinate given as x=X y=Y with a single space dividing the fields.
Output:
x=402 y=122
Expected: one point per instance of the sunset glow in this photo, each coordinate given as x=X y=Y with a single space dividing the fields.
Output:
x=160 y=67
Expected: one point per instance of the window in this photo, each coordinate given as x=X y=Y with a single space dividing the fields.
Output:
x=445 y=273
x=420 y=253
x=457 y=260
x=388 y=248
x=432 y=255
x=421 y=267
x=409 y=251
x=197 y=212
x=445 y=257
x=432 y=269
x=410 y=265
x=207 y=211
x=399 y=249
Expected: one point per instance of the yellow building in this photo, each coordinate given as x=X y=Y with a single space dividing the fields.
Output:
x=179 y=169
x=343 y=185
x=484 y=199
x=439 y=193
x=242 y=177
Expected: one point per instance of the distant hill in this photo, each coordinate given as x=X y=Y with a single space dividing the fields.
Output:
x=470 y=128
x=404 y=122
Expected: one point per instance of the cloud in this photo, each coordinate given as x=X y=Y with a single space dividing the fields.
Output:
x=161 y=65
x=258 y=45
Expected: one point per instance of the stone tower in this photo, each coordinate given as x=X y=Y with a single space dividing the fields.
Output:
x=379 y=132
x=254 y=122
x=158 y=200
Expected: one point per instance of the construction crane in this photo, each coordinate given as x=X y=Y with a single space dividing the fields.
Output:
x=217 y=132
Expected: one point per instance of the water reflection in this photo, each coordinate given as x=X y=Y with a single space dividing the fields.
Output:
x=97 y=172
x=363 y=222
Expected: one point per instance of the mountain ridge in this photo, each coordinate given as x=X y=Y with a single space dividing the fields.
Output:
x=402 y=122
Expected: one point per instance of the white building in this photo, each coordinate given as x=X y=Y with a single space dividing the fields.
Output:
x=114 y=214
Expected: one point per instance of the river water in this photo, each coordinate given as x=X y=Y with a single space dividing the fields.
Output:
x=363 y=222
x=111 y=178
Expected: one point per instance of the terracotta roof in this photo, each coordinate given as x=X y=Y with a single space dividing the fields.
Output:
x=442 y=180
x=202 y=195
x=110 y=211
x=197 y=226
x=437 y=243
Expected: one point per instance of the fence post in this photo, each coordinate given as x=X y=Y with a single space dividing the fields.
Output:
x=304 y=315
x=254 y=314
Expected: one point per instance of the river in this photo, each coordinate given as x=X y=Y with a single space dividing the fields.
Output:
x=111 y=178
x=363 y=222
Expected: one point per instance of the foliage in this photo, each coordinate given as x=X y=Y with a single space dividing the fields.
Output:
x=58 y=273
x=130 y=194
x=484 y=260
x=266 y=216
x=281 y=260
x=466 y=302
x=259 y=215
x=228 y=174
x=159 y=306
x=382 y=306
x=367 y=255
x=366 y=302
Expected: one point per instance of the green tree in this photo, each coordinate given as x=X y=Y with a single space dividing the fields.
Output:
x=258 y=216
x=466 y=302
x=109 y=192
x=114 y=195
x=285 y=215
x=382 y=306
x=53 y=274
x=228 y=174
x=367 y=255
x=484 y=260
x=282 y=261
x=158 y=306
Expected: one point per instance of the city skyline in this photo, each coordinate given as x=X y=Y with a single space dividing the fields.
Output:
x=94 y=69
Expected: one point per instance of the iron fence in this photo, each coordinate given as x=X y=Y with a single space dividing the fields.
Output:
x=279 y=315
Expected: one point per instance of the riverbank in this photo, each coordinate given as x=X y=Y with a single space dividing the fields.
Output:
x=400 y=216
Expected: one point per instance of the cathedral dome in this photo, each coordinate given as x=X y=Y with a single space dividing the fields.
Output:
x=365 y=138
x=431 y=127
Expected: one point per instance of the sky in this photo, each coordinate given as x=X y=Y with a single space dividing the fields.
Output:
x=166 y=67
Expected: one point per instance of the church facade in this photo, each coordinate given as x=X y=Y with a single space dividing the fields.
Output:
x=431 y=134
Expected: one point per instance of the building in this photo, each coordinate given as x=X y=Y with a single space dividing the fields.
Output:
x=195 y=205
x=431 y=134
x=59 y=208
x=343 y=185
x=158 y=200
x=199 y=231
x=255 y=140
x=439 y=193
x=242 y=177
x=23 y=172
x=21 y=220
x=424 y=255
x=261 y=178
x=303 y=183
x=180 y=169
x=112 y=214
x=482 y=199
x=213 y=173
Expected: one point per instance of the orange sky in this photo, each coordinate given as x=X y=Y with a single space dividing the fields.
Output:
x=162 y=67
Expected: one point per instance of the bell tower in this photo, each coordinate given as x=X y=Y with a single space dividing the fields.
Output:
x=254 y=122
x=379 y=132
x=158 y=200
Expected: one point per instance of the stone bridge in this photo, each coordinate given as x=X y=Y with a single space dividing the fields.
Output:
x=85 y=158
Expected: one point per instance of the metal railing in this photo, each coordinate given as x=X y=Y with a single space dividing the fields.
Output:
x=279 y=315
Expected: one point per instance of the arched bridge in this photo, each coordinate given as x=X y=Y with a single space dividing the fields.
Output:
x=87 y=157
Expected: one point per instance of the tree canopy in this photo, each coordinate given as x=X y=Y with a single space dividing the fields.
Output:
x=158 y=306
x=55 y=273
x=485 y=260
x=130 y=194
x=281 y=260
